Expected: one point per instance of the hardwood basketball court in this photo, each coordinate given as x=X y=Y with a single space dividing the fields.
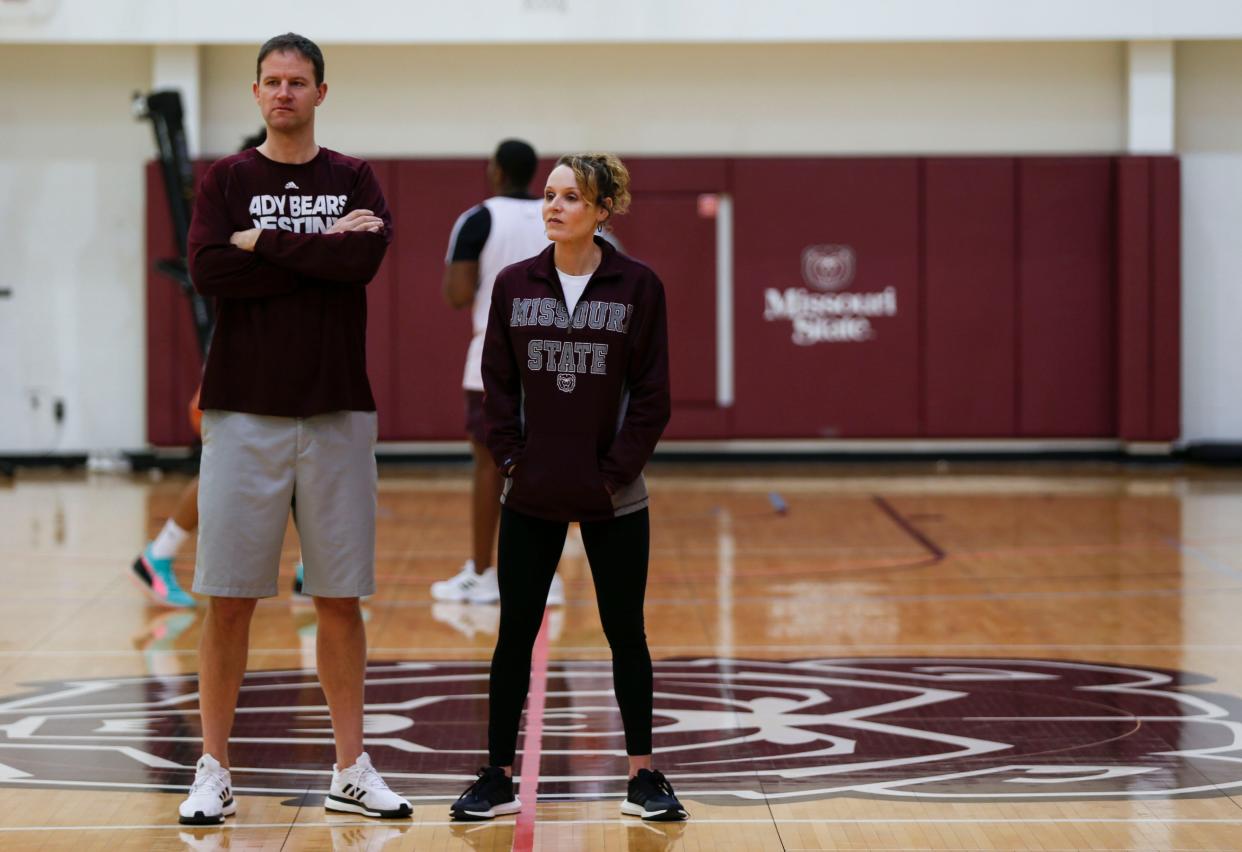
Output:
x=847 y=657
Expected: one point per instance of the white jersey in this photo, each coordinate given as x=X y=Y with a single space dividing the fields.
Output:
x=516 y=232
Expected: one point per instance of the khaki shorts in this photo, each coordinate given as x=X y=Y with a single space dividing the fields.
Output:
x=254 y=468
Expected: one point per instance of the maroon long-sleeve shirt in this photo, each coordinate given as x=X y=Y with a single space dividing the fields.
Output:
x=574 y=406
x=291 y=316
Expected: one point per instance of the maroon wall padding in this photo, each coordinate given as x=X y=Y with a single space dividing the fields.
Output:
x=174 y=366
x=970 y=293
x=1065 y=301
x=382 y=317
x=667 y=174
x=1037 y=297
x=667 y=230
x=1149 y=299
x=1166 y=207
x=1134 y=297
x=428 y=356
x=667 y=233
x=850 y=390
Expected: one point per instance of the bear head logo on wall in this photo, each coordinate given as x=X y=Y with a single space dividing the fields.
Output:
x=828 y=267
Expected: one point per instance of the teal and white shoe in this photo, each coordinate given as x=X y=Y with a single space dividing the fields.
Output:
x=157 y=579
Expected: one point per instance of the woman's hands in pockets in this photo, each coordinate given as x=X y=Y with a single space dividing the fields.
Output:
x=561 y=473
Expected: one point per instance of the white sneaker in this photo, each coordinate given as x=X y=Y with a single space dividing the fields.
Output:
x=460 y=586
x=211 y=796
x=486 y=588
x=360 y=790
x=556 y=593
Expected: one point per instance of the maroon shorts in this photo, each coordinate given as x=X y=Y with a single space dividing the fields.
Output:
x=474 y=417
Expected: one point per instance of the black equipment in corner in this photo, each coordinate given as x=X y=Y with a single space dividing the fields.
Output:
x=163 y=109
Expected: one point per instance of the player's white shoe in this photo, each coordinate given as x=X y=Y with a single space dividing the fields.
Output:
x=360 y=790
x=468 y=586
x=211 y=796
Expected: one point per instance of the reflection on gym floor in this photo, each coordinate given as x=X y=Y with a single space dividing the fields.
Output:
x=845 y=658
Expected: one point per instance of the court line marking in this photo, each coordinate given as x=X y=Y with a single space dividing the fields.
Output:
x=1206 y=559
x=836 y=597
x=524 y=835
x=982 y=596
x=619 y=821
x=421 y=652
x=123 y=786
x=705 y=551
x=935 y=552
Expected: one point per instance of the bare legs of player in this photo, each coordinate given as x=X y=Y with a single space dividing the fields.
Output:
x=186 y=513
x=341 y=652
x=221 y=666
x=485 y=506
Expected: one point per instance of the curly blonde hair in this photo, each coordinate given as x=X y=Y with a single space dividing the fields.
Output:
x=603 y=178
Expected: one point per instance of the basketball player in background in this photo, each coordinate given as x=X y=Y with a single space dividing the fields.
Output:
x=153 y=569
x=486 y=238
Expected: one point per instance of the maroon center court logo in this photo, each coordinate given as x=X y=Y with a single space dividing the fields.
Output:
x=928 y=728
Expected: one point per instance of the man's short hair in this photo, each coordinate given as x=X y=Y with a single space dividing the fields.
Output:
x=297 y=44
x=517 y=160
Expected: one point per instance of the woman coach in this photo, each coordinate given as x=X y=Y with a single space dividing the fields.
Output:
x=575 y=373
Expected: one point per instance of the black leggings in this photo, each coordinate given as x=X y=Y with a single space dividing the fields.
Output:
x=528 y=552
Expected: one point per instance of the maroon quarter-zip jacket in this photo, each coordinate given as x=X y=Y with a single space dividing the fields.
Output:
x=291 y=316
x=574 y=406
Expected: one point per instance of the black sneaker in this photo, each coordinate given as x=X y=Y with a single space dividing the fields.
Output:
x=490 y=796
x=652 y=797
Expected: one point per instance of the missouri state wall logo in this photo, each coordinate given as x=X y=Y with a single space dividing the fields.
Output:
x=827 y=267
x=827 y=312
x=957 y=729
